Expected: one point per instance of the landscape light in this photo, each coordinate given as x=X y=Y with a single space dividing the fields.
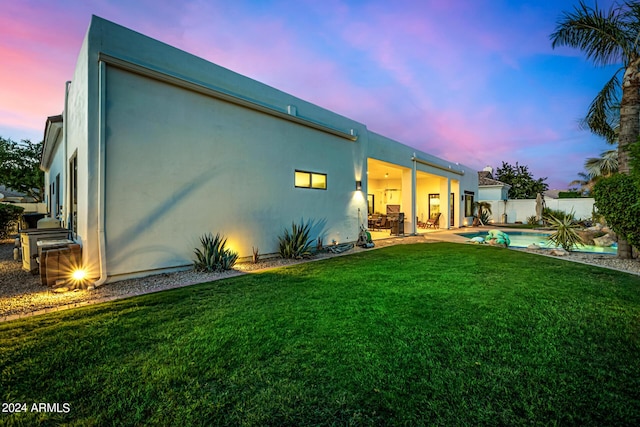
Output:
x=79 y=275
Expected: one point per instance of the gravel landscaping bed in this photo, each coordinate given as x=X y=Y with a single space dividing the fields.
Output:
x=22 y=294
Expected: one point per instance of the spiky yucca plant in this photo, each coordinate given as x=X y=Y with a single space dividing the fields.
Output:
x=295 y=243
x=214 y=256
x=564 y=233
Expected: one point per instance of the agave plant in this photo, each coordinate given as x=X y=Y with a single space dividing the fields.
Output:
x=295 y=243
x=214 y=256
x=564 y=231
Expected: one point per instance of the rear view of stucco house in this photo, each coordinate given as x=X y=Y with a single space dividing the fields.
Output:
x=157 y=147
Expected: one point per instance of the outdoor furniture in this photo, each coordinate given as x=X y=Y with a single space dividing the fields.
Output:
x=433 y=222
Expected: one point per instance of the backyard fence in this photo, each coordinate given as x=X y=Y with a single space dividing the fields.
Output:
x=521 y=209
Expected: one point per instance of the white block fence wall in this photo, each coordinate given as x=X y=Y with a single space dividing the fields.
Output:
x=520 y=210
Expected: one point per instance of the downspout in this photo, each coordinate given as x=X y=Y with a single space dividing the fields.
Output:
x=65 y=174
x=102 y=256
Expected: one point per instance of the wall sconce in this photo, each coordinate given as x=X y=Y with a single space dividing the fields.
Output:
x=358 y=185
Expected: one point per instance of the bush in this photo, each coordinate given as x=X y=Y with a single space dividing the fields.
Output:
x=295 y=244
x=569 y=195
x=618 y=199
x=532 y=220
x=558 y=214
x=564 y=233
x=9 y=217
x=214 y=256
x=485 y=217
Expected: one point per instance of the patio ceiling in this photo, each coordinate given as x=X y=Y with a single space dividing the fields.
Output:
x=377 y=169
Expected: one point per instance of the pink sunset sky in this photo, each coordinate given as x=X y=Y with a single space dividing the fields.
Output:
x=471 y=81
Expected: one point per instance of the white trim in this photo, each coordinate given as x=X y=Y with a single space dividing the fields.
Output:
x=438 y=166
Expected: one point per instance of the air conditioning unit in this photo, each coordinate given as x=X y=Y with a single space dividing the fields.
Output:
x=57 y=262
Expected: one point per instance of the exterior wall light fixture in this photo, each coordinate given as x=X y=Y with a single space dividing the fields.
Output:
x=358 y=185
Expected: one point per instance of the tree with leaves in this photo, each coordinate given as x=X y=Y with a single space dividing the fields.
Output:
x=523 y=184
x=610 y=37
x=20 y=167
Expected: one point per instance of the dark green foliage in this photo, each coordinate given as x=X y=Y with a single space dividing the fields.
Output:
x=523 y=185
x=564 y=231
x=214 y=256
x=9 y=216
x=532 y=220
x=485 y=217
x=20 y=167
x=295 y=243
x=569 y=194
x=401 y=336
x=618 y=199
x=548 y=212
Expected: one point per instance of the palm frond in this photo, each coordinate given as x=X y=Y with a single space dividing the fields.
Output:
x=603 y=116
x=605 y=165
x=601 y=35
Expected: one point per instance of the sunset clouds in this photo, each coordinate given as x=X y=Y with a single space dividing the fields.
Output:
x=475 y=82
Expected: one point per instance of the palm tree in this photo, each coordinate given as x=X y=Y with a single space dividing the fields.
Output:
x=585 y=183
x=596 y=168
x=603 y=166
x=483 y=207
x=608 y=38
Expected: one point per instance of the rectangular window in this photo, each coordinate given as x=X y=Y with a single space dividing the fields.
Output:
x=73 y=192
x=56 y=190
x=468 y=203
x=304 y=179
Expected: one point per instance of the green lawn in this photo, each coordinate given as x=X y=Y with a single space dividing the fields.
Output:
x=431 y=334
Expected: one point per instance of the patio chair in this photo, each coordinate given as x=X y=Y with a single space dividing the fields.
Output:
x=434 y=221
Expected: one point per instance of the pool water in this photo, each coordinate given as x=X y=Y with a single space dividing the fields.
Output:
x=522 y=240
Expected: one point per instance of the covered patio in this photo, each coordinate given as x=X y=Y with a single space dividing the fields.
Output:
x=411 y=196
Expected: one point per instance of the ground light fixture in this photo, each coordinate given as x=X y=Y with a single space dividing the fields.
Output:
x=79 y=276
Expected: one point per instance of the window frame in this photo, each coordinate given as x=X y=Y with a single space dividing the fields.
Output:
x=309 y=185
x=468 y=195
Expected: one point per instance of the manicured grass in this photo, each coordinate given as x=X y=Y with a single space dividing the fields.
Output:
x=432 y=334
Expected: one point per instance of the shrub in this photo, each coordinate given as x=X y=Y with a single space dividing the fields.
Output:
x=564 y=231
x=214 y=256
x=569 y=194
x=9 y=217
x=295 y=244
x=532 y=220
x=618 y=199
x=558 y=214
x=485 y=217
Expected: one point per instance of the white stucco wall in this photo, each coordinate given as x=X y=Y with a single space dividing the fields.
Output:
x=520 y=210
x=180 y=164
x=494 y=192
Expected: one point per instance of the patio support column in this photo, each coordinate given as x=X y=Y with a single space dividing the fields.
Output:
x=447 y=200
x=445 y=204
x=414 y=196
x=407 y=200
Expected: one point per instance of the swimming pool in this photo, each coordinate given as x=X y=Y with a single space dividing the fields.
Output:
x=521 y=239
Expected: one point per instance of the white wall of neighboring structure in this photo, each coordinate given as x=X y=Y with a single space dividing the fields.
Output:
x=187 y=147
x=493 y=192
x=521 y=209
